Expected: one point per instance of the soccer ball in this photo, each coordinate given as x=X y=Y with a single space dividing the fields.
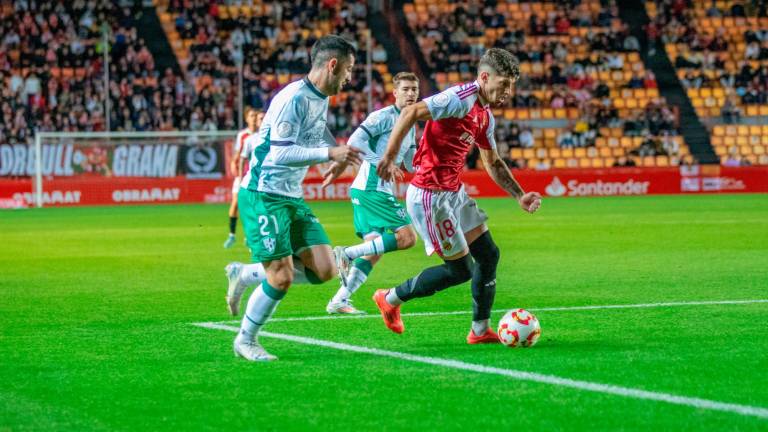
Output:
x=520 y=328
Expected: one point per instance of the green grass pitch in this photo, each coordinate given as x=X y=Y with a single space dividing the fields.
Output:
x=97 y=306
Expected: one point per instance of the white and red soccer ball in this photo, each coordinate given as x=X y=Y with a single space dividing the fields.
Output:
x=519 y=328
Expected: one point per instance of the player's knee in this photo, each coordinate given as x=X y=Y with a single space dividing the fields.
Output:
x=493 y=254
x=406 y=238
x=326 y=273
x=282 y=278
x=282 y=281
x=485 y=251
x=461 y=269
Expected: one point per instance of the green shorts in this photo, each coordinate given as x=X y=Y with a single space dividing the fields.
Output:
x=278 y=226
x=377 y=212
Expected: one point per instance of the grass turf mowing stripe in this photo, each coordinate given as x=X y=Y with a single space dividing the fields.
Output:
x=628 y=392
x=542 y=309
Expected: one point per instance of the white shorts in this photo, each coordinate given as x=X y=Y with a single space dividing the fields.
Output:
x=441 y=218
x=235 y=186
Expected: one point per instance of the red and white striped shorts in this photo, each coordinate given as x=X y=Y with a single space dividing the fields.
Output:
x=441 y=218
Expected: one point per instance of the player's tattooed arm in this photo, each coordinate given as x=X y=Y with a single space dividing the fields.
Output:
x=500 y=173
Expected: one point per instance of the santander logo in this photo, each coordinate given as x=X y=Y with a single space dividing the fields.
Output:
x=598 y=187
x=555 y=188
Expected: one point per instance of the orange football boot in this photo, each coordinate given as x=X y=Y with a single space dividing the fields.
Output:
x=390 y=314
x=489 y=336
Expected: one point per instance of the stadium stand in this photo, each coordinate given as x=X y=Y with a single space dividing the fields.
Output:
x=585 y=98
x=719 y=51
x=51 y=60
x=579 y=66
x=275 y=39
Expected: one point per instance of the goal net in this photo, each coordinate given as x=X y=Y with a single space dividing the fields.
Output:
x=118 y=168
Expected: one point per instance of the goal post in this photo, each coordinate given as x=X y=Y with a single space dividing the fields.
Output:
x=94 y=168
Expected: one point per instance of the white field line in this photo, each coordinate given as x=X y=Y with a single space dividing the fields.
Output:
x=543 y=309
x=627 y=392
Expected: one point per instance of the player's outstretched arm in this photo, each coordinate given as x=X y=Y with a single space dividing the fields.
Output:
x=500 y=173
x=411 y=114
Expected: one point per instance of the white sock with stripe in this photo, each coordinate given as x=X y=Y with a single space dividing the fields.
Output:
x=252 y=274
x=378 y=246
x=255 y=273
x=261 y=305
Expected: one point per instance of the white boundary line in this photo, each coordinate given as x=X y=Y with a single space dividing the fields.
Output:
x=627 y=392
x=542 y=309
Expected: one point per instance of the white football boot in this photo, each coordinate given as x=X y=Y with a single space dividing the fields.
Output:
x=251 y=350
x=342 y=263
x=343 y=307
x=229 y=242
x=235 y=286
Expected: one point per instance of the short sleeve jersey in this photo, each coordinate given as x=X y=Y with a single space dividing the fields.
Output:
x=459 y=121
x=297 y=115
x=371 y=137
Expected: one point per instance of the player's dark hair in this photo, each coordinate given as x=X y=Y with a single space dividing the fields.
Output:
x=502 y=62
x=328 y=47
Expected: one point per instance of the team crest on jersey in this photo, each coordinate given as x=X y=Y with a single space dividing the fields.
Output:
x=446 y=245
x=269 y=244
x=440 y=100
x=284 y=130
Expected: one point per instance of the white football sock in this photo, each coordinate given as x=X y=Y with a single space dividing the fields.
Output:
x=393 y=299
x=355 y=280
x=479 y=327
x=372 y=247
x=260 y=308
x=253 y=273
x=341 y=295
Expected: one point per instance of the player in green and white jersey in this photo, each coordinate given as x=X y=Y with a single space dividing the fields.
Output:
x=285 y=237
x=379 y=218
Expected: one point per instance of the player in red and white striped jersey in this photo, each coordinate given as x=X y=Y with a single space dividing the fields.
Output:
x=443 y=214
x=239 y=160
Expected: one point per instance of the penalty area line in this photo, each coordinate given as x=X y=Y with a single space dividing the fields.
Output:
x=627 y=392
